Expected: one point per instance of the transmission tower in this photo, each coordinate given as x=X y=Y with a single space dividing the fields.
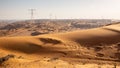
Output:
x=50 y=16
x=32 y=15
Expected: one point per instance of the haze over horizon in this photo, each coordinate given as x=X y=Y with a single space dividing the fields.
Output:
x=61 y=9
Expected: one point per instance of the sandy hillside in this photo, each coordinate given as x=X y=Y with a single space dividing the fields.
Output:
x=92 y=48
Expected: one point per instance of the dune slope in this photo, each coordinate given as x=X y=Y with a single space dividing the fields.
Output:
x=102 y=44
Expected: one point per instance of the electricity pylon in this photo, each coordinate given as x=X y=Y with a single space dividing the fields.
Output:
x=32 y=15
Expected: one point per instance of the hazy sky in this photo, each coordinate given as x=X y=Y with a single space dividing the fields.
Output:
x=18 y=9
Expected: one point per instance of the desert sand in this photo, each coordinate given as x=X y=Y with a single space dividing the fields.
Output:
x=91 y=48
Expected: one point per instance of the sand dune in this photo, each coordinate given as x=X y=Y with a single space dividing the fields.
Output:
x=101 y=44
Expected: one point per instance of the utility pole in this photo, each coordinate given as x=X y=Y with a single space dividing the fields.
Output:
x=32 y=15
